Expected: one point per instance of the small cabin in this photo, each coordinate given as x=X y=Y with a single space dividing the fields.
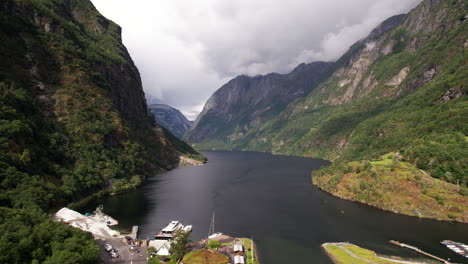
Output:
x=162 y=247
x=238 y=248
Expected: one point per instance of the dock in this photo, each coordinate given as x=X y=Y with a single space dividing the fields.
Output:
x=134 y=232
x=419 y=251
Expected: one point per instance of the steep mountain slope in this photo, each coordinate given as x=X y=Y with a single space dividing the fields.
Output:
x=401 y=89
x=247 y=102
x=73 y=120
x=170 y=118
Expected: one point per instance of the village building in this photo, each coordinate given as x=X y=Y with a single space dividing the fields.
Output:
x=238 y=248
x=162 y=247
x=239 y=259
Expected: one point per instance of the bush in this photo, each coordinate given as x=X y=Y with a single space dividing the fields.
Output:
x=214 y=244
x=362 y=185
x=439 y=199
x=417 y=177
x=464 y=191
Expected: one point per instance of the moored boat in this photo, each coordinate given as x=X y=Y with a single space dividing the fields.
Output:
x=168 y=232
x=459 y=248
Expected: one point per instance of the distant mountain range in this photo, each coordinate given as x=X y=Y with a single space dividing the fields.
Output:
x=248 y=102
x=394 y=104
x=170 y=118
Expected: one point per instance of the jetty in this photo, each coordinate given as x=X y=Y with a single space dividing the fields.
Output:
x=419 y=251
x=134 y=232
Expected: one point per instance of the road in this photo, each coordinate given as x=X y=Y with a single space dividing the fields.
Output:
x=127 y=256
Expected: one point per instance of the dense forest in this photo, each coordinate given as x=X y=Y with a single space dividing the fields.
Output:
x=73 y=122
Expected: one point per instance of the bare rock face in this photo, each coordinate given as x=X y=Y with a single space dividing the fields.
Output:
x=246 y=102
x=452 y=93
x=399 y=78
x=76 y=65
x=353 y=77
x=429 y=74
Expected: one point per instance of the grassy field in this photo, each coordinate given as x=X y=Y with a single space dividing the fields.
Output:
x=399 y=187
x=204 y=256
x=340 y=256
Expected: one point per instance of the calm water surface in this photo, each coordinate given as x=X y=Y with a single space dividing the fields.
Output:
x=271 y=198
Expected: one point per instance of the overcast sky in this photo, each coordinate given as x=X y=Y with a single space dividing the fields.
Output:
x=185 y=49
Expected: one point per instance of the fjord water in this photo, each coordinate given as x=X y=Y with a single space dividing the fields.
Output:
x=271 y=198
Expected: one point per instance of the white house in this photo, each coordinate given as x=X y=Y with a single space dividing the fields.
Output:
x=162 y=247
x=238 y=259
x=238 y=248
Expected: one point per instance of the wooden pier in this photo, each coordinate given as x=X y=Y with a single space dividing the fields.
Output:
x=134 y=233
x=419 y=251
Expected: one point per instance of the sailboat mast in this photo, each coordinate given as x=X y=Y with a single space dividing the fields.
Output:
x=211 y=228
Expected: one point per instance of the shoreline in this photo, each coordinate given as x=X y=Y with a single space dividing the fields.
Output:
x=110 y=190
x=342 y=197
x=383 y=209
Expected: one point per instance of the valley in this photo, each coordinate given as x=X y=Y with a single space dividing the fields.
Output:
x=307 y=152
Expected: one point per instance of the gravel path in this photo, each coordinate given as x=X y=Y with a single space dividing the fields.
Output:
x=341 y=246
x=354 y=256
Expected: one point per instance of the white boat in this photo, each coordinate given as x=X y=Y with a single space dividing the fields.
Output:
x=168 y=232
x=456 y=247
x=188 y=228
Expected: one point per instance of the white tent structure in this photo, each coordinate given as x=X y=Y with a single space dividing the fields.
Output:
x=67 y=215
x=94 y=225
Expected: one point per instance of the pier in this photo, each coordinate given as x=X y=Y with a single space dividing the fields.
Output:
x=419 y=251
x=134 y=232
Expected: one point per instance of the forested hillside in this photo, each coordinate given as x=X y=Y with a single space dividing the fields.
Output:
x=401 y=89
x=73 y=121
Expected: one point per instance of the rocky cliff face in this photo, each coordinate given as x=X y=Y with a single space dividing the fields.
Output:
x=72 y=106
x=246 y=102
x=170 y=118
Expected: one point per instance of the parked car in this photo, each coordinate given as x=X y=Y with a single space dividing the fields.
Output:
x=108 y=247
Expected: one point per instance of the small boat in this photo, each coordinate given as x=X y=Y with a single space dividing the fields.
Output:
x=459 y=248
x=168 y=232
x=188 y=228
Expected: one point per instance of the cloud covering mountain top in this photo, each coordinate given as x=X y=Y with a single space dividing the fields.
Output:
x=185 y=50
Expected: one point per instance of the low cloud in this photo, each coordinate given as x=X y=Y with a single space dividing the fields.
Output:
x=185 y=50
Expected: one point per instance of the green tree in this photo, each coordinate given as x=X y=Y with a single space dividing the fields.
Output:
x=179 y=244
x=214 y=244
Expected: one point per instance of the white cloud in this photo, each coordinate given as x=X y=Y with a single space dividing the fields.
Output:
x=185 y=49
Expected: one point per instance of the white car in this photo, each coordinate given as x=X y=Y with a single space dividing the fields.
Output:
x=108 y=247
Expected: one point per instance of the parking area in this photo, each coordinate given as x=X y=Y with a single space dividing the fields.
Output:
x=126 y=255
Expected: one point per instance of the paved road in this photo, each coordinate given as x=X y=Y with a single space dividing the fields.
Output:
x=127 y=256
